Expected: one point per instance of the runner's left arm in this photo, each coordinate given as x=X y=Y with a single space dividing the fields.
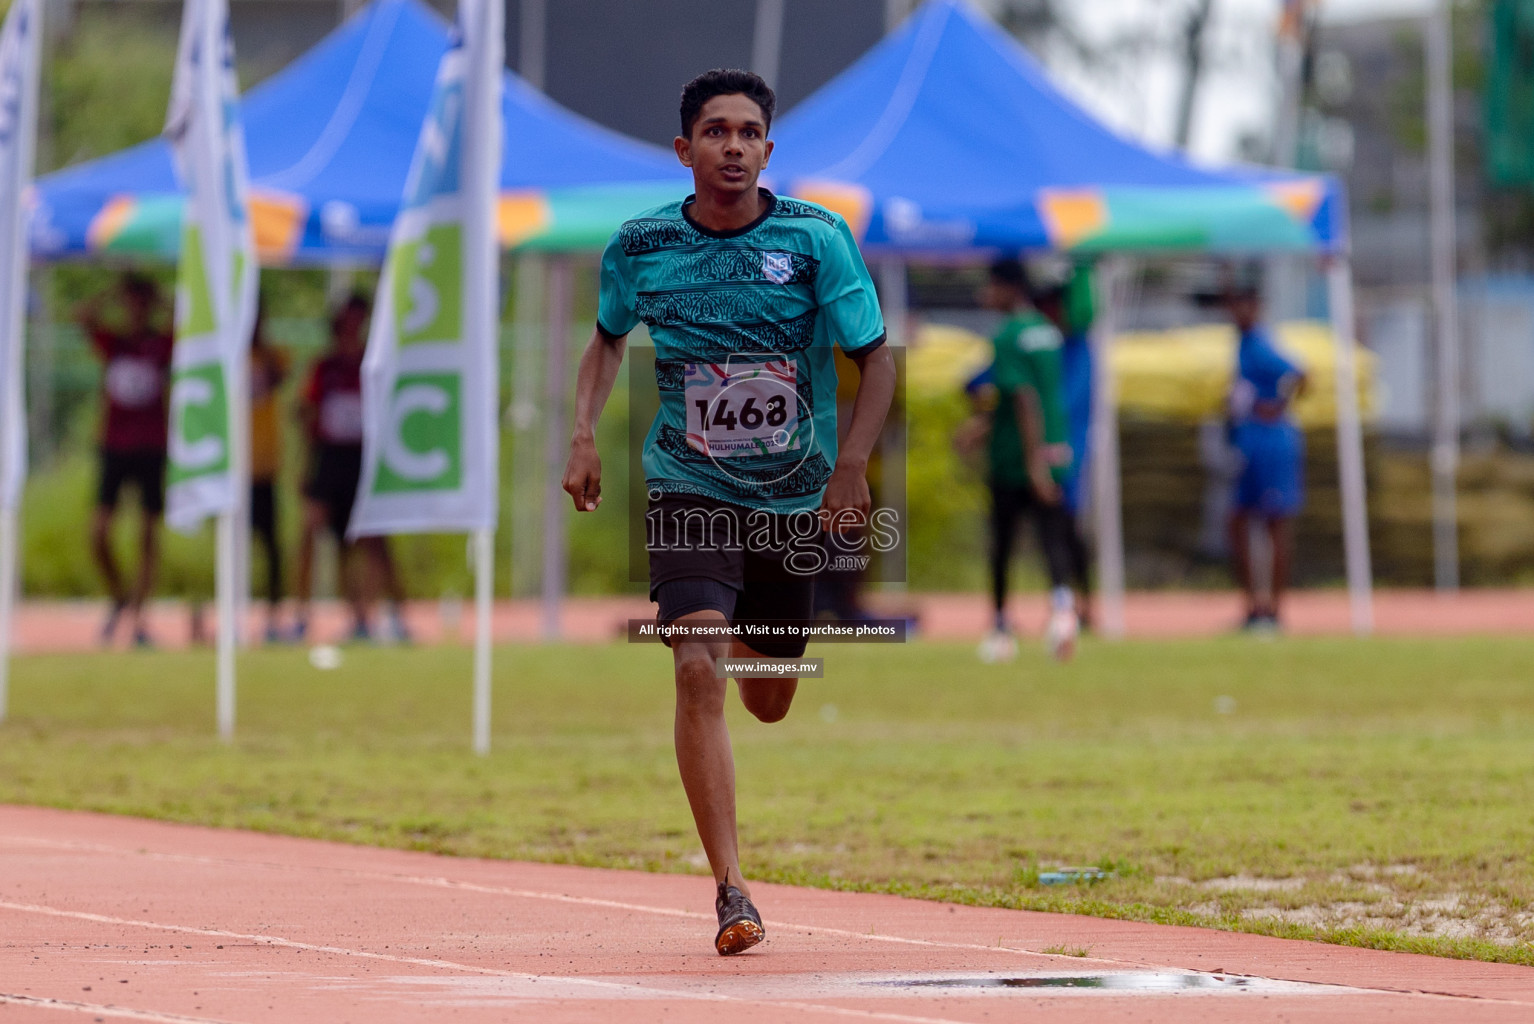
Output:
x=847 y=500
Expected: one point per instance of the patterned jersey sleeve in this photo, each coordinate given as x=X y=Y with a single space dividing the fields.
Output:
x=846 y=294
x=615 y=302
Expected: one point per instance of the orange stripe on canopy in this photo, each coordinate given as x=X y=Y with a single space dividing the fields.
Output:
x=1299 y=198
x=277 y=221
x=520 y=216
x=854 y=202
x=1071 y=216
x=109 y=222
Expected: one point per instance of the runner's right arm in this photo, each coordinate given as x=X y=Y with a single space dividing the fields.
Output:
x=593 y=385
x=598 y=372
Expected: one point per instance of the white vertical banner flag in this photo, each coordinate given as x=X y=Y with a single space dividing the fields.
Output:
x=20 y=48
x=215 y=279
x=431 y=378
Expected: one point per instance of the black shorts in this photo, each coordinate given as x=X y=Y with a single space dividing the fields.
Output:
x=145 y=470
x=752 y=567
x=263 y=507
x=333 y=479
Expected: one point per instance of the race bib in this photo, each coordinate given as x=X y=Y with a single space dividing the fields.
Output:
x=341 y=417
x=134 y=383
x=742 y=409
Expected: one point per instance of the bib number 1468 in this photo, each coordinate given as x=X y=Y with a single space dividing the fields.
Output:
x=743 y=409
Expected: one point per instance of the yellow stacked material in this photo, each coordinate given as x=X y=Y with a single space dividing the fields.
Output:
x=942 y=359
x=1180 y=375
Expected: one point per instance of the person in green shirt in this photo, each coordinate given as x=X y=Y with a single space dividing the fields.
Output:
x=1028 y=456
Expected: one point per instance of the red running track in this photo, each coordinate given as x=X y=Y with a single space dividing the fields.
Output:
x=118 y=919
x=61 y=626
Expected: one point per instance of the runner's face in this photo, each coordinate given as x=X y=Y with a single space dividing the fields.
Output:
x=729 y=145
x=349 y=332
x=1244 y=310
x=139 y=307
x=999 y=297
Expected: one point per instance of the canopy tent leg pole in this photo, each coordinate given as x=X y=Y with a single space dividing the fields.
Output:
x=895 y=298
x=527 y=370
x=484 y=596
x=1106 y=497
x=559 y=297
x=1350 y=450
x=1445 y=457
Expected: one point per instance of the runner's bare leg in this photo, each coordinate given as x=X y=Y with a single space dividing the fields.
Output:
x=703 y=753
x=148 y=567
x=303 y=584
x=106 y=561
x=766 y=697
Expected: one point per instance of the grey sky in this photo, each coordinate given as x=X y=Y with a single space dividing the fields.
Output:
x=1239 y=95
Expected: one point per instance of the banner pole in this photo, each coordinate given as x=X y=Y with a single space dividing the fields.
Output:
x=7 y=599
x=13 y=417
x=484 y=592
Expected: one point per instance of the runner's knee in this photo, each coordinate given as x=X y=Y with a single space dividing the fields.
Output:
x=768 y=699
x=698 y=685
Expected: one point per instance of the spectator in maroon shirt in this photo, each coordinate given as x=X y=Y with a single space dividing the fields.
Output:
x=135 y=350
x=330 y=410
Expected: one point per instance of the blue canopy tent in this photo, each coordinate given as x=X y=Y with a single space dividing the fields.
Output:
x=947 y=139
x=329 y=140
x=948 y=136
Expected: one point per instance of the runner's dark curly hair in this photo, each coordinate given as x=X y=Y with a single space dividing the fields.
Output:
x=725 y=82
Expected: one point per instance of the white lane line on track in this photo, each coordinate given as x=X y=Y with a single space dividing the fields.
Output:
x=100 y=1010
x=441 y=882
x=437 y=964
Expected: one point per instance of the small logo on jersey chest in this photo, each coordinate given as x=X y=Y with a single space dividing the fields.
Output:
x=777 y=267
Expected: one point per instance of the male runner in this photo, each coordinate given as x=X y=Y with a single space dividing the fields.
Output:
x=744 y=294
x=1029 y=456
x=1271 y=486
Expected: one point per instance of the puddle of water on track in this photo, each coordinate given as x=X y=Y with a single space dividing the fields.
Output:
x=1132 y=982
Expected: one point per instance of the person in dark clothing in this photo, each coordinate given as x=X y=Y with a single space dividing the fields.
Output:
x=1029 y=456
x=268 y=370
x=135 y=350
x=331 y=413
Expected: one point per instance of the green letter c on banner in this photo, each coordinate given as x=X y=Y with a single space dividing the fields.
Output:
x=420 y=447
x=199 y=420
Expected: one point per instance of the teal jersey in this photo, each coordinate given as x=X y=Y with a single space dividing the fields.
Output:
x=743 y=323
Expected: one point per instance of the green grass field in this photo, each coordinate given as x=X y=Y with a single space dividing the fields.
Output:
x=1375 y=793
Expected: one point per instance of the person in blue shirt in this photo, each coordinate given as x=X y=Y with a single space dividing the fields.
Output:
x=744 y=293
x=1270 y=490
